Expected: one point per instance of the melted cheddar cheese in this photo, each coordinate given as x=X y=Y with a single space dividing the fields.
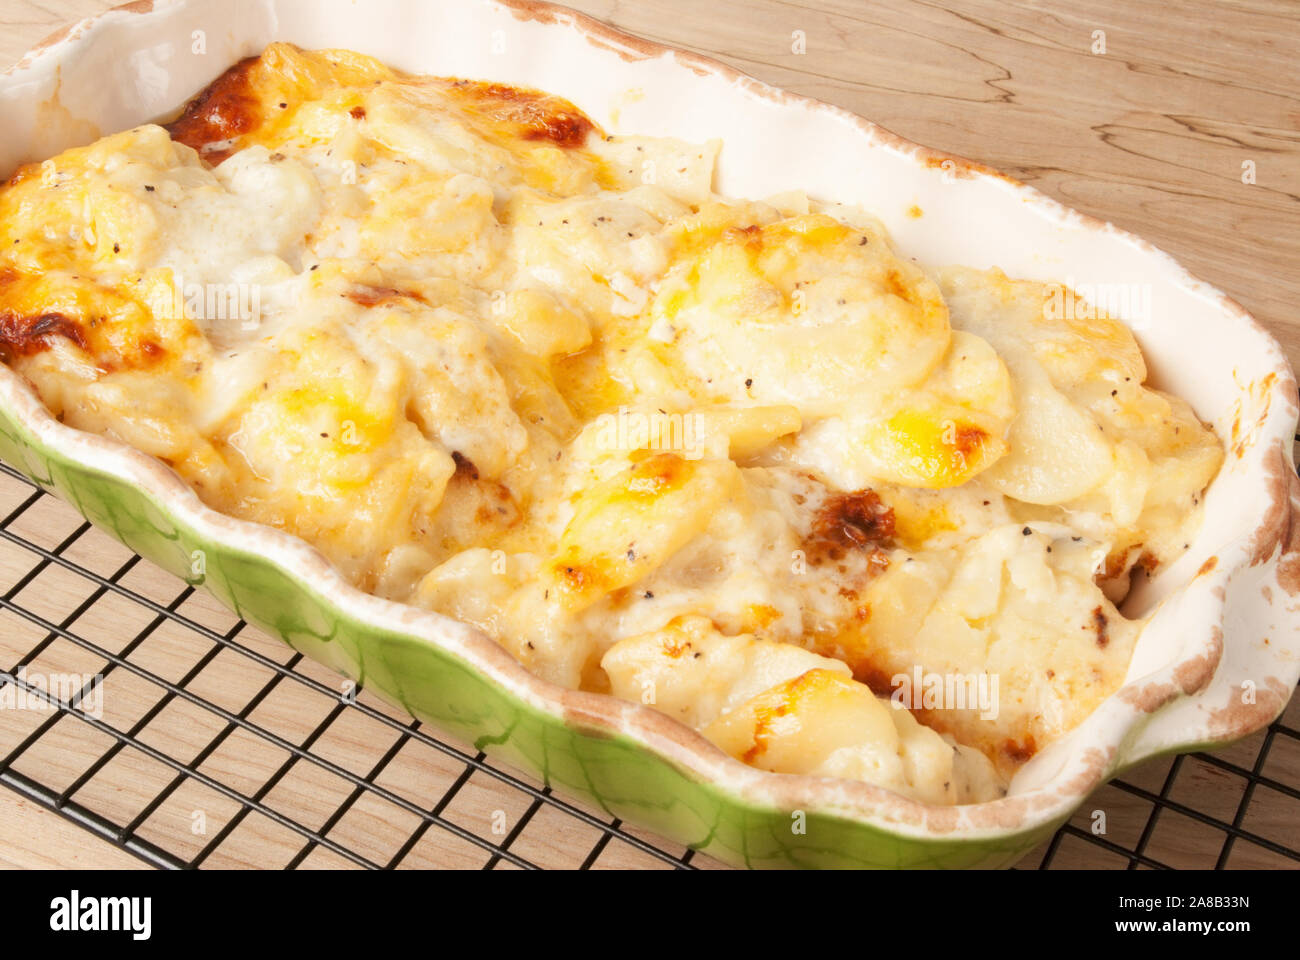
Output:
x=736 y=460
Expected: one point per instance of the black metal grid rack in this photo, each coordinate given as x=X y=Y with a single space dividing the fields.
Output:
x=171 y=761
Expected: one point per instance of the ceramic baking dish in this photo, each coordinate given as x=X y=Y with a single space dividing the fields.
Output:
x=1218 y=660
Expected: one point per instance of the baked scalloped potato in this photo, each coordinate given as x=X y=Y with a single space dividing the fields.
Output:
x=736 y=460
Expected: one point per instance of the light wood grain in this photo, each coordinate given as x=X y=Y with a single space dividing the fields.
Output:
x=1150 y=135
x=33 y=838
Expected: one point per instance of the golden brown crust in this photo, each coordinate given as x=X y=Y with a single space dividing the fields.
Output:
x=227 y=108
x=851 y=521
x=24 y=335
x=529 y=114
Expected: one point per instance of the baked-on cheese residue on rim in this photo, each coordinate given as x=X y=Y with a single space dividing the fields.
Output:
x=736 y=460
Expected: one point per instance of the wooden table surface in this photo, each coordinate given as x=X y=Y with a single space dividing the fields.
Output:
x=1152 y=134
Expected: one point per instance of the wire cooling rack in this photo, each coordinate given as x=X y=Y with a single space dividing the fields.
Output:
x=156 y=721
